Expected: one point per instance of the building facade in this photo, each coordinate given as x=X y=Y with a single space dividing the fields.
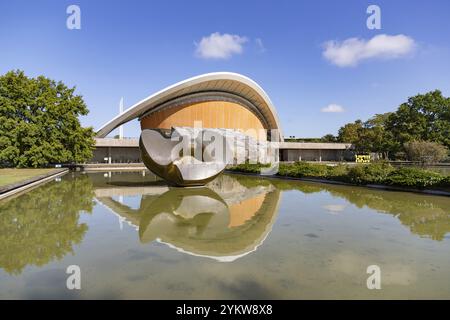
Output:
x=221 y=100
x=109 y=150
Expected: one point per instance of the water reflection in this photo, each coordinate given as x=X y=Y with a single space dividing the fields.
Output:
x=229 y=218
x=42 y=225
x=425 y=215
x=224 y=221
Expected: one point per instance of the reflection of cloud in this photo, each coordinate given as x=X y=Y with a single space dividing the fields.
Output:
x=334 y=208
x=394 y=273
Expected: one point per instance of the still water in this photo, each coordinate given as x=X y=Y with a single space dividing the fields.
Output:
x=240 y=237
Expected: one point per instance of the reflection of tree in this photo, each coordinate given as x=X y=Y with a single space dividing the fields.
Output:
x=42 y=224
x=251 y=182
x=427 y=216
x=286 y=185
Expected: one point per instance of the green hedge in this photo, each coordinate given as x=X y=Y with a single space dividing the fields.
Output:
x=302 y=169
x=361 y=174
x=249 y=167
x=412 y=177
x=369 y=173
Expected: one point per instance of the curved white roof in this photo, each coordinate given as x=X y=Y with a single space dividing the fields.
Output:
x=218 y=81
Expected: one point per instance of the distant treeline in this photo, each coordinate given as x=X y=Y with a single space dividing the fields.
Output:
x=418 y=130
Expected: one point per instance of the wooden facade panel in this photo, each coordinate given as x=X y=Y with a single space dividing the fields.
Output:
x=212 y=114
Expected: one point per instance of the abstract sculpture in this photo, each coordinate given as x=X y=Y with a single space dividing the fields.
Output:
x=184 y=158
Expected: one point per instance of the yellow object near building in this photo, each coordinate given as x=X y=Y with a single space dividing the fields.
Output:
x=362 y=158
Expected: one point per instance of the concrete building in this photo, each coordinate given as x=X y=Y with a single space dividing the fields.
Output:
x=109 y=150
x=220 y=100
x=311 y=151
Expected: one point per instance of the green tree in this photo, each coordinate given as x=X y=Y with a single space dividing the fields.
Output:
x=423 y=117
x=329 y=138
x=369 y=136
x=39 y=122
x=350 y=133
x=375 y=138
x=425 y=151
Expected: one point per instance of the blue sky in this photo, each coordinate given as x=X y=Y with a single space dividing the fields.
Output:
x=135 y=48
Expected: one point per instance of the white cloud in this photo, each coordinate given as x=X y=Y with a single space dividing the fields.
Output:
x=333 y=108
x=353 y=50
x=334 y=208
x=220 y=46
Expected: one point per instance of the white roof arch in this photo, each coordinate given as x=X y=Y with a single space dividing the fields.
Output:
x=218 y=81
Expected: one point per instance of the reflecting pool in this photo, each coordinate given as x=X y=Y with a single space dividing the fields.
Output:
x=239 y=237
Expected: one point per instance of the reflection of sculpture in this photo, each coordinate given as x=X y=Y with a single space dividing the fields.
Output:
x=161 y=155
x=223 y=221
x=36 y=229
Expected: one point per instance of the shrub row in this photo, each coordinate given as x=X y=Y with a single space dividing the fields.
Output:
x=362 y=174
x=249 y=167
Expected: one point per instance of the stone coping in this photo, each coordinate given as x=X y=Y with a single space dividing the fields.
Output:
x=14 y=188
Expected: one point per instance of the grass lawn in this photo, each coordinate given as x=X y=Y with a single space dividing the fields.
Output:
x=9 y=176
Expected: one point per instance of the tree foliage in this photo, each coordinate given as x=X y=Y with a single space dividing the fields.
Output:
x=425 y=151
x=350 y=132
x=39 y=122
x=329 y=138
x=424 y=117
x=369 y=136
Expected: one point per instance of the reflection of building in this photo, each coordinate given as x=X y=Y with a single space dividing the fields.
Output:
x=223 y=221
x=217 y=100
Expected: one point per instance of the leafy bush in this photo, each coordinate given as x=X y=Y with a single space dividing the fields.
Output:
x=339 y=172
x=413 y=177
x=311 y=170
x=287 y=170
x=249 y=167
x=374 y=173
x=370 y=173
x=303 y=169
x=426 y=151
